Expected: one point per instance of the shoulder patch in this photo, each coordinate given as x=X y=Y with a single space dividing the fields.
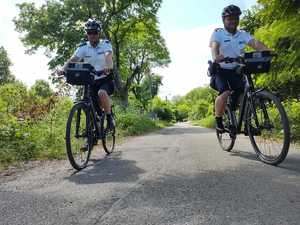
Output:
x=218 y=29
x=107 y=41
x=82 y=44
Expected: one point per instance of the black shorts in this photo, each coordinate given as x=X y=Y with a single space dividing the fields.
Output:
x=227 y=80
x=104 y=84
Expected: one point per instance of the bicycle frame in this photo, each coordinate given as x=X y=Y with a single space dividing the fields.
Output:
x=88 y=100
x=247 y=96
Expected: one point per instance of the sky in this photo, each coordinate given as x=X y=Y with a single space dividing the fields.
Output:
x=186 y=25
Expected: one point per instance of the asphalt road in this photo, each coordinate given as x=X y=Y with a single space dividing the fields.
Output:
x=177 y=176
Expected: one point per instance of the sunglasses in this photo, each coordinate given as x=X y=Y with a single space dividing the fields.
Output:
x=92 y=32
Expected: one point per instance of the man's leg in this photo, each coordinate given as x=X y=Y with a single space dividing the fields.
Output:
x=220 y=105
x=104 y=102
x=221 y=100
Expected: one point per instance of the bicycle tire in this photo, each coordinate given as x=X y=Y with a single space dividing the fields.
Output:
x=229 y=127
x=108 y=136
x=76 y=110
x=266 y=95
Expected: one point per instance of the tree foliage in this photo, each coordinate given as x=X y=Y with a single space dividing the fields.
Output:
x=131 y=26
x=277 y=23
x=5 y=74
x=42 y=88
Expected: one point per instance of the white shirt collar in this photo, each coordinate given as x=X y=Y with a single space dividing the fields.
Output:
x=229 y=34
x=98 y=46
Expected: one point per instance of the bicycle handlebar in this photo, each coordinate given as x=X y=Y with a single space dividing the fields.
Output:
x=100 y=74
x=241 y=59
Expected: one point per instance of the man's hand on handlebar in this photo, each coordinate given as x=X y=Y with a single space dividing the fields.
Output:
x=107 y=71
x=61 y=72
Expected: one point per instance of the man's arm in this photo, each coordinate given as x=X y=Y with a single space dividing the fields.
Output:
x=109 y=60
x=215 y=52
x=257 y=45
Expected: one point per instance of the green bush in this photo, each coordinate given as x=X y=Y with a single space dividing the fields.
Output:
x=17 y=142
x=31 y=139
x=181 y=112
x=164 y=113
x=208 y=122
x=130 y=122
x=51 y=130
x=163 y=109
x=43 y=137
x=199 y=110
x=292 y=108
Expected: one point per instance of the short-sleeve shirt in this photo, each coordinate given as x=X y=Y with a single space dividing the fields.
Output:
x=230 y=45
x=94 y=55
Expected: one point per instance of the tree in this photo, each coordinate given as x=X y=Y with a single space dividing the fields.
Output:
x=131 y=25
x=277 y=23
x=41 y=88
x=201 y=93
x=145 y=90
x=5 y=74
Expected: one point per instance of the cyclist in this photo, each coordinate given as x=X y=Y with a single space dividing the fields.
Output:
x=229 y=42
x=98 y=53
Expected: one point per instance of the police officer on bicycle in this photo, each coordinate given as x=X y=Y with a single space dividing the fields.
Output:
x=229 y=42
x=98 y=53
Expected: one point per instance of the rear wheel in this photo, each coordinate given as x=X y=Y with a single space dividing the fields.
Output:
x=268 y=128
x=227 y=139
x=79 y=136
x=108 y=136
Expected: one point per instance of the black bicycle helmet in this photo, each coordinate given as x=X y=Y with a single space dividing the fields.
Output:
x=92 y=24
x=231 y=10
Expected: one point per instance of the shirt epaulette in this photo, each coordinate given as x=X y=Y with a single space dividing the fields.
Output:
x=218 y=29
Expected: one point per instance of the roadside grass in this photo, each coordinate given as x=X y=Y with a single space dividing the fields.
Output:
x=45 y=140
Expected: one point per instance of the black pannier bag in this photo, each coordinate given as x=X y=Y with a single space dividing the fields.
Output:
x=257 y=62
x=213 y=69
x=79 y=73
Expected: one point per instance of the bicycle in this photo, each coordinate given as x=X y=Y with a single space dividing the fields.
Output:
x=261 y=115
x=86 y=123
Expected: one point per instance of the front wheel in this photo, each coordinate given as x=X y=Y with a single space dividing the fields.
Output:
x=268 y=128
x=79 y=136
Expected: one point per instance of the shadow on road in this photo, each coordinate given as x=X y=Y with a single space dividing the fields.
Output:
x=112 y=168
x=245 y=155
x=291 y=163
x=244 y=196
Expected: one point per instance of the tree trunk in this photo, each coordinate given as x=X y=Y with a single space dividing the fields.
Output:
x=124 y=97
